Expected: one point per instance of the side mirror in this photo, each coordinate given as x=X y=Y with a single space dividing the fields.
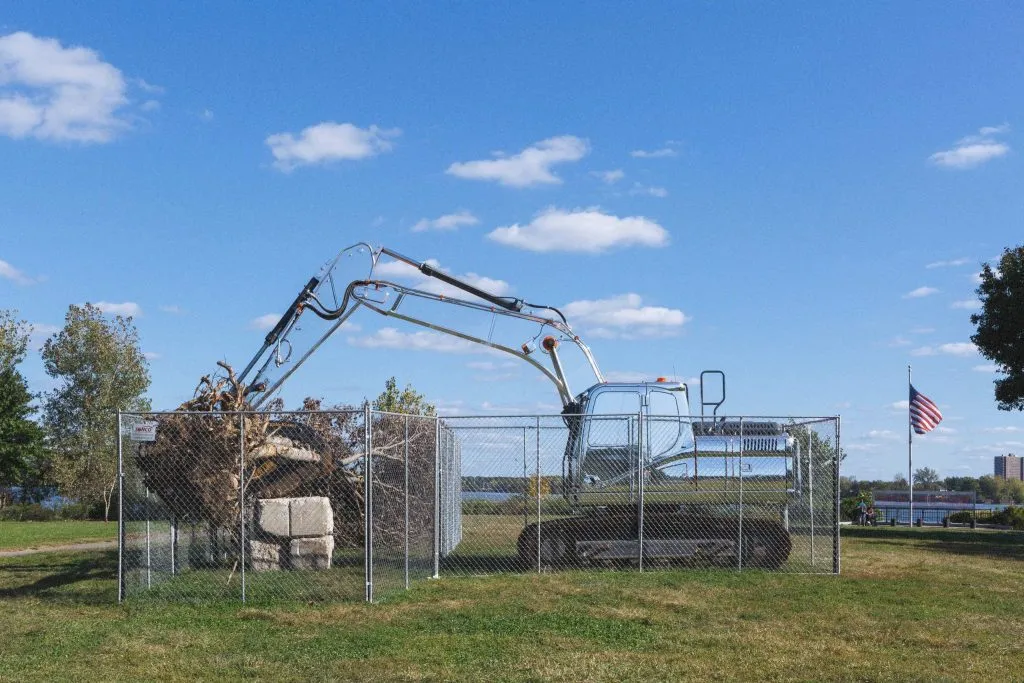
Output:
x=712 y=393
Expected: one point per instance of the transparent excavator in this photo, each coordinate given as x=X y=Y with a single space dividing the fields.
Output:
x=626 y=441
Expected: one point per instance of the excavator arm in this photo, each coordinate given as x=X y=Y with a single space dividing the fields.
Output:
x=320 y=296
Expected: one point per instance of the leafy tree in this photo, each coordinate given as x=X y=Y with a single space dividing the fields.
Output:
x=14 y=336
x=100 y=368
x=406 y=401
x=961 y=484
x=899 y=481
x=21 y=439
x=926 y=478
x=989 y=488
x=21 y=452
x=1000 y=325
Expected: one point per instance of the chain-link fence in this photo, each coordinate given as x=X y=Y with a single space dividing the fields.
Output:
x=336 y=505
x=641 y=491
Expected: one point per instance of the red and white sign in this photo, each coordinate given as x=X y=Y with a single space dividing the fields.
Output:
x=143 y=431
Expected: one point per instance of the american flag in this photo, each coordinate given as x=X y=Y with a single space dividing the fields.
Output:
x=924 y=414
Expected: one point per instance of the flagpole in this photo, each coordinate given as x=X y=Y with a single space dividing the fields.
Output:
x=910 y=449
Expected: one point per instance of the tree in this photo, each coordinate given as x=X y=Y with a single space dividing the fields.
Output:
x=926 y=478
x=100 y=368
x=407 y=401
x=21 y=439
x=1000 y=325
x=899 y=481
x=14 y=336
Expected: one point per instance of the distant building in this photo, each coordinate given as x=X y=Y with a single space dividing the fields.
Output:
x=1009 y=467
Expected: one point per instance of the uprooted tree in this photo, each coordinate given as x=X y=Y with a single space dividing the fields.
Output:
x=214 y=458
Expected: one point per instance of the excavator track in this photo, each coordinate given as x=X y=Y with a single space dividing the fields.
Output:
x=609 y=537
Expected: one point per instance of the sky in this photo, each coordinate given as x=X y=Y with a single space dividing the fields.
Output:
x=798 y=195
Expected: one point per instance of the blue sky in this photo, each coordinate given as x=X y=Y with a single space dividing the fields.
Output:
x=800 y=196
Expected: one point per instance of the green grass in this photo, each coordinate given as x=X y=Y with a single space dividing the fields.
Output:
x=911 y=604
x=24 y=535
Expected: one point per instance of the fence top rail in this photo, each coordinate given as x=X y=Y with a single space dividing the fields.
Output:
x=795 y=420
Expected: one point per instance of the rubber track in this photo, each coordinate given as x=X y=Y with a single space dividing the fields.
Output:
x=660 y=523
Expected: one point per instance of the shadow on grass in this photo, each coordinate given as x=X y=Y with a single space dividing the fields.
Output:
x=1000 y=544
x=89 y=578
x=485 y=564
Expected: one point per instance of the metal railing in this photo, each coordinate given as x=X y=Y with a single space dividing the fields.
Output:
x=361 y=504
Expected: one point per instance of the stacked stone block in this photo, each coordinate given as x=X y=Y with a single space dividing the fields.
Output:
x=292 y=533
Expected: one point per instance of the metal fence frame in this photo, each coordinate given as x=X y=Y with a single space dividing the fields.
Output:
x=137 y=563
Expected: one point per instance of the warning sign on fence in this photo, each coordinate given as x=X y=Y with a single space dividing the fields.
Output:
x=143 y=431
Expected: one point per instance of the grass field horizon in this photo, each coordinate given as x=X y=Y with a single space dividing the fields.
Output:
x=911 y=604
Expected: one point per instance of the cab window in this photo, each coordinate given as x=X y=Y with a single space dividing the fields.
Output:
x=612 y=421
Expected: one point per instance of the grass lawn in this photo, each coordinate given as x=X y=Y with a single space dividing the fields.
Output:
x=24 y=535
x=911 y=604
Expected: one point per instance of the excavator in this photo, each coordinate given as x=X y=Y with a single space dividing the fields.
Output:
x=626 y=467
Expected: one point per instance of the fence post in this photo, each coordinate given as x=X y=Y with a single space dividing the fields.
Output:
x=241 y=496
x=526 y=507
x=437 y=497
x=640 y=487
x=120 y=513
x=739 y=532
x=537 y=489
x=149 y=546
x=368 y=499
x=835 y=525
x=810 y=486
x=406 y=490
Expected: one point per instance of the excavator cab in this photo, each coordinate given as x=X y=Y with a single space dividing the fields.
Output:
x=625 y=431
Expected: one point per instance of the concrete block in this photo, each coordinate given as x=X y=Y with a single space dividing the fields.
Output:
x=312 y=553
x=273 y=516
x=264 y=557
x=311 y=517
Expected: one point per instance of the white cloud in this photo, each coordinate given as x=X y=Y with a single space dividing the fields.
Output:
x=56 y=93
x=991 y=367
x=532 y=166
x=175 y=309
x=391 y=338
x=206 y=115
x=973 y=150
x=150 y=105
x=581 y=230
x=900 y=405
x=399 y=270
x=1000 y=430
x=609 y=177
x=949 y=264
x=328 y=141
x=149 y=87
x=264 y=322
x=648 y=190
x=624 y=316
x=151 y=355
x=920 y=292
x=9 y=272
x=966 y=304
x=451 y=221
x=654 y=153
x=898 y=341
x=882 y=434
x=922 y=330
x=951 y=349
x=40 y=332
x=127 y=308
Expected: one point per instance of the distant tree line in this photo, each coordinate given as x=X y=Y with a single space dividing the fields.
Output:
x=989 y=489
